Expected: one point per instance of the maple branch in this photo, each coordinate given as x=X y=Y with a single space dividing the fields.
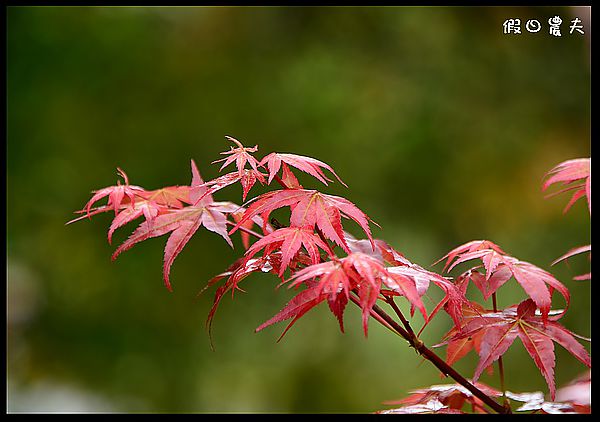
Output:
x=376 y=316
x=392 y=303
x=435 y=359
x=500 y=363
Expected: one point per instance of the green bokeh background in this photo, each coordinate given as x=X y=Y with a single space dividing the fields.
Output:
x=441 y=125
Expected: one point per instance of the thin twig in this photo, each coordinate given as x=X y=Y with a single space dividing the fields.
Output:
x=439 y=362
x=392 y=303
x=500 y=363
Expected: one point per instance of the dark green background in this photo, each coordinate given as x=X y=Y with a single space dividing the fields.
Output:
x=442 y=127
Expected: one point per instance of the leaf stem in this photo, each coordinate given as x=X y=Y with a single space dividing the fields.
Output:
x=500 y=363
x=392 y=303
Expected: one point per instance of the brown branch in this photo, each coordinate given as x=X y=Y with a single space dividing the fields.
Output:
x=437 y=361
x=392 y=303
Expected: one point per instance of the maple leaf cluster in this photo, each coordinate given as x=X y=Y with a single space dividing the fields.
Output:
x=313 y=253
x=574 y=175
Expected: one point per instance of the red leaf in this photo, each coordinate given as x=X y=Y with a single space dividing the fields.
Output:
x=575 y=251
x=247 y=178
x=474 y=245
x=183 y=224
x=572 y=252
x=306 y=164
x=499 y=329
x=337 y=304
x=298 y=306
x=498 y=265
x=494 y=344
x=170 y=197
x=289 y=240
x=116 y=194
x=361 y=272
x=240 y=155
x=310 y=208
x=148 y=209
x=236 y=272
x=571 y=171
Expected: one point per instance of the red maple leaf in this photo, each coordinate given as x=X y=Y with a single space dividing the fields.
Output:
x=576 y=251
x=170 y=196
x=310 y=208
x=182 y=223
x=117 y=195
x=247 y=179
x=236 y=272
x=574 y=175
x=453 y=300
x=499 y=268
x=289 y=240
x=500 y=329
x=241 y=156
x=308 y=165
x=145 y=208
x=334 y=280
x=472 y=246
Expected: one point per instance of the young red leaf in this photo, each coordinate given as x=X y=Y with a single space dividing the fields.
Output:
x=306 y=164
x=498 y=265
x=572 y=252
x=572 y=171
x=537 y=334
x=236 y=272
x=337 y=305
x=576 y=251
x=289 y=240
x=247 y=178
x=116 y=194
x=183 y=224
x=361 y=272
x=472 y=246
x=170 y=197
x=143 y=207
x=241 y=155
x=295 y=308
x=310 y=208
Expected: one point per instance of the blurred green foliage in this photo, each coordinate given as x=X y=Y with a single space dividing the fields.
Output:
x=441 y=125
